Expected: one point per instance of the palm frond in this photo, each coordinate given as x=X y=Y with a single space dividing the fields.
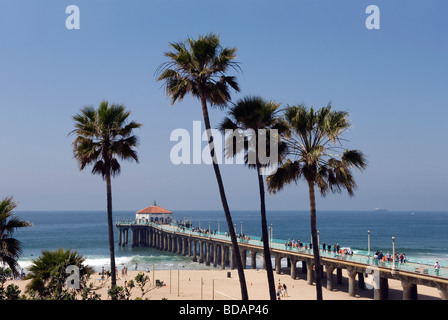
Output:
x=289 y=172
x=354 y=158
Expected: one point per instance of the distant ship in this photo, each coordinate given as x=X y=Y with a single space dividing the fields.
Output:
x=381 y=210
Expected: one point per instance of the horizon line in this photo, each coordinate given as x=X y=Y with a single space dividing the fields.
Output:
x=202 y=210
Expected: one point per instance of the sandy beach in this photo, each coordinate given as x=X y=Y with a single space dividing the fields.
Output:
x=216 y=285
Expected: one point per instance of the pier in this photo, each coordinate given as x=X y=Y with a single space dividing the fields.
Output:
x=215 y=249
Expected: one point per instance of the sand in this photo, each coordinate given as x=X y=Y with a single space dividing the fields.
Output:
x=186 y=285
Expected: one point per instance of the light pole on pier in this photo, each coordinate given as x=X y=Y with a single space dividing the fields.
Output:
x=318 y=237
x=368 y=243
x=394 y=268
x=269 y=236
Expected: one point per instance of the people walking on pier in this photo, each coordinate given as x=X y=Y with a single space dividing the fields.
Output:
x=324 y=248
x=380 y=255
x=437 y=268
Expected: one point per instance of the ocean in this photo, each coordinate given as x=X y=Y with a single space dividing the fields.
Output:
x=422 y=236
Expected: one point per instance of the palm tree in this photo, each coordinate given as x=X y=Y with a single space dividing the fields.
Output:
x=10 y=248
x=48 y=272
x=252 y=117
x=102 y=136
x=199 y=67
x=318 y=157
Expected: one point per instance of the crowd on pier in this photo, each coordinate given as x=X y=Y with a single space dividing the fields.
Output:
x=399 y=258
x=336 y=249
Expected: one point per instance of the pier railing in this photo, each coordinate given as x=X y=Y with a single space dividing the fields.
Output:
x=281 y=244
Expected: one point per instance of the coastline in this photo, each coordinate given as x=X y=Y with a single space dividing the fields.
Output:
x=216 y=285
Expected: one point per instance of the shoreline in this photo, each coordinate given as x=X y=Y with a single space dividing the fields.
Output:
x=216 y=285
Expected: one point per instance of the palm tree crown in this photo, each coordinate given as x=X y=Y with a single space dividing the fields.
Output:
x=103 y=136
x=48 y=272
x=253 y=119
x=315 y=148
x=198 y=67
x=10 y=248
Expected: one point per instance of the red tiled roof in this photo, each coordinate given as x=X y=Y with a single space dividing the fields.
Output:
x=154 y=209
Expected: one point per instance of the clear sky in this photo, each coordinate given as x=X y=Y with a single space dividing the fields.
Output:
x=393 y=82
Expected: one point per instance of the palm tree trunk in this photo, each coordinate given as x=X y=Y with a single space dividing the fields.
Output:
x=264 y=231
x=315 y=242
x=236 y=251
x=111 y=231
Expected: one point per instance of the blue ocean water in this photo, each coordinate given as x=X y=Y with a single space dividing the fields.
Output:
x=422 y=236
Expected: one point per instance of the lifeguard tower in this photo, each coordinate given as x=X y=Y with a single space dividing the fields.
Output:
x=154 y=213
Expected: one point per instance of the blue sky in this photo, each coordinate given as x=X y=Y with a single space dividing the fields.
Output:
x=393 y=82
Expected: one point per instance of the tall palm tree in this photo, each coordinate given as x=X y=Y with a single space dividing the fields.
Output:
x=316 y=154
x=250 y=118
x=10 y=248
x=198 y=67
x=103 y=136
